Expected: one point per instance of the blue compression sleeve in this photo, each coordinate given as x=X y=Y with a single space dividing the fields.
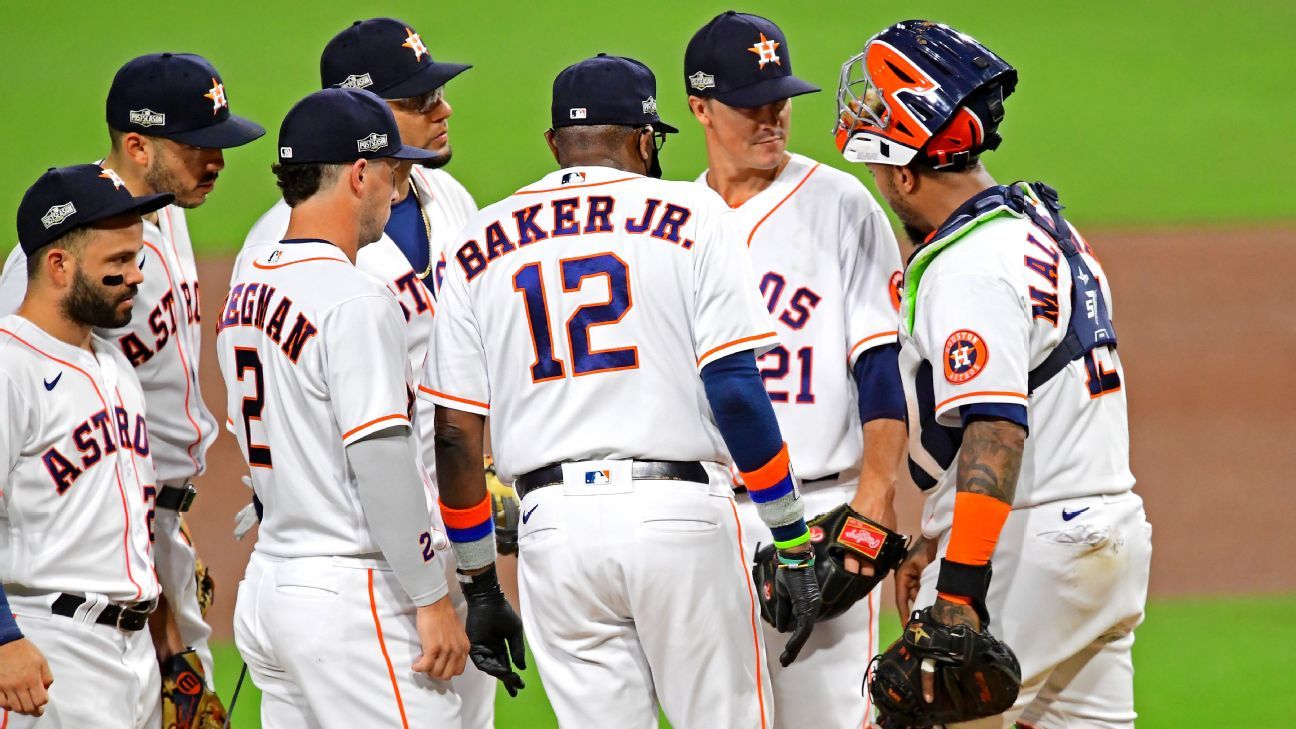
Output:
x=747 y=423
x=1011 y=412
x=742 y=410
x=877 y=376
x=9 y=631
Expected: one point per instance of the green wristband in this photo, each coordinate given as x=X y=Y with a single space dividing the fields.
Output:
x=793 y=542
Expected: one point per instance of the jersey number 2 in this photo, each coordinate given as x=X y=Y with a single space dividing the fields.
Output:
x=529 y=282
x=247 y=360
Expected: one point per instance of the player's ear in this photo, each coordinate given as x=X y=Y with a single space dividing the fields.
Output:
x=357 y=173
x=553 y=145
x=701 y=110
x=904 y=179
x=137 y=149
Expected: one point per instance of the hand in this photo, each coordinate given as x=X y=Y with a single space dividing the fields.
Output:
x=444 y=642
x=246 y=518
x=908 y=575
x=494 y=630
x=880 y=510
x=165 y=631
x=24 y=678
x=951 y=614
x=802 y=586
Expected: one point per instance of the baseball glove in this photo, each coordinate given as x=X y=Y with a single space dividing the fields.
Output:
x=506 y=508
x=975 y=675
x=833 y=534
x=187 y=702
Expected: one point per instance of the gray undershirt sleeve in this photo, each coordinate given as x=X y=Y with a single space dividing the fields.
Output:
x=391 y=494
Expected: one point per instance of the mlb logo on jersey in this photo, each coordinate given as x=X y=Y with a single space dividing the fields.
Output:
x=570 y=177
x=598 y=478
x=966 y=355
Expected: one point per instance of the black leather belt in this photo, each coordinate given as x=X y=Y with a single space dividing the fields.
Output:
x=176 y=498
x=739 y=488
x=129 y=618
x=639 y=471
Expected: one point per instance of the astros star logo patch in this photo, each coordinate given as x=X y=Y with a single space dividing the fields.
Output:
x=765 y=49
x=414 y=43
x=966 y=355
x=217 y=95
x=113 y=177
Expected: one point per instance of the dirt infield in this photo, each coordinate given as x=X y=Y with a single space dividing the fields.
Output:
x=1206 y=342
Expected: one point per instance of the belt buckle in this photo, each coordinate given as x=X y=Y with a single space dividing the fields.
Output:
x=139 y=611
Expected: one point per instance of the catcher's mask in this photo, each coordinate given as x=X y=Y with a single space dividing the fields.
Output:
x=921 y=90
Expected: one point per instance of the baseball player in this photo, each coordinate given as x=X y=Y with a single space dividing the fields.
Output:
x=389 y=58
x=78 y=486
x=343 y=616
x=169 y=120
x=1006 y=332
x=578 y=313
x=824 y=258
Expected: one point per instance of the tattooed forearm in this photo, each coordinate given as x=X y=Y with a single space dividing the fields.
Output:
x=949 y=613
x=990 y=458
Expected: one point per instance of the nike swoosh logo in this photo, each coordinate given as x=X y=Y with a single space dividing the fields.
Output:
x=51 y=385
x=527 y=514
x=1069 y=515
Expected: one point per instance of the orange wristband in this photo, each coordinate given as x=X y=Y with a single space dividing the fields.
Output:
x=956 y=599
x=978 y=519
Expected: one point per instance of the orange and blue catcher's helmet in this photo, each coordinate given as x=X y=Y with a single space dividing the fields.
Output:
x=922 y=90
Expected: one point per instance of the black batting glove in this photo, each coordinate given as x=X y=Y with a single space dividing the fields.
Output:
x=494 y=630
x=796 y=577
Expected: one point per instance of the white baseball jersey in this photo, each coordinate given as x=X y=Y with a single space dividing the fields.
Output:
x=987 y=310
x=311 y=351
x=447 y=206
x=578 y=312
x=162 y=341
x=828 y=266
x=78 y=483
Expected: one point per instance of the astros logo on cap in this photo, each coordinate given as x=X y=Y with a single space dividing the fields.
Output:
x=114 y=178
x=765 y=49
x=217 y=95
x=966 y=354
x=414 y=43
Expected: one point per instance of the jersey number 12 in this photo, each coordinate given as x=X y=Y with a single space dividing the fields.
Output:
x=529 y=282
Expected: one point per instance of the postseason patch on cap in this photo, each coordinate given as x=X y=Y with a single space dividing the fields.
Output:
x=147 y=118
x=702 y=81
x=649 y=105
x=371 y=143
x=57 y=214
x=863 y=538
x=357 y=81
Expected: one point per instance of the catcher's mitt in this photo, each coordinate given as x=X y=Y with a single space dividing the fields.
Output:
x=975 y=675
x=187 y=703
x=833 y=534
x=506 y=508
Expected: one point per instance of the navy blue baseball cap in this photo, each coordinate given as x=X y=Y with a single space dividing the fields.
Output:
x=178 y=96
x=341 y=126
x=66 y=198
x=606 y=90
x=741 y=60
x=386 y=57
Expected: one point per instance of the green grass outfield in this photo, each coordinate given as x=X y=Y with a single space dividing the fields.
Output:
x=1198 y=663
x=1162 y=111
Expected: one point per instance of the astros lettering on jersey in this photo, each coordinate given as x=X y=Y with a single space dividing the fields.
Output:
x=78 y=470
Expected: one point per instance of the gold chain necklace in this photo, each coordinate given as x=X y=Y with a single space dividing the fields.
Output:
x=427 y=228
